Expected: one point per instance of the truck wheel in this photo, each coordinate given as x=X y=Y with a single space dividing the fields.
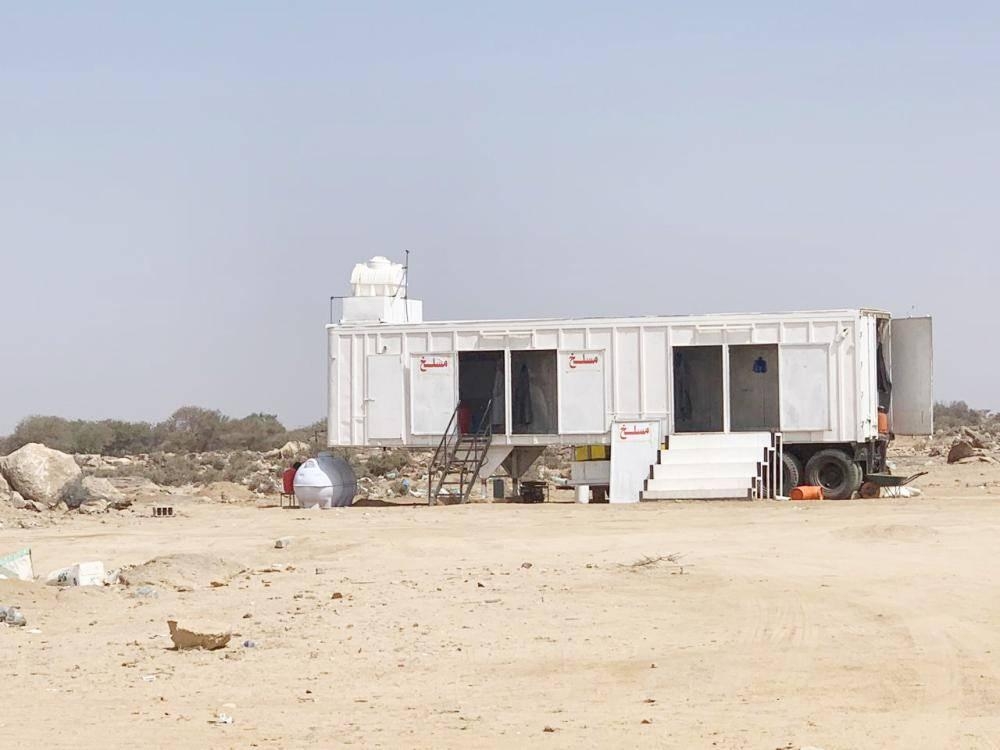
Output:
x=791 y=472
x=835 y=472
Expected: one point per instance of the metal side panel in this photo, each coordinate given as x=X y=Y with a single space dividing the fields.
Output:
x=581 y=378
x=384 y=409
x=912 y=374
x=433 y=392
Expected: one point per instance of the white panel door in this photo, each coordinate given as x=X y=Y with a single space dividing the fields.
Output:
x=912 y=376
x=581 y=392
x=633 y=451
x=433 y=392
x=384 y=410
x=804 y=374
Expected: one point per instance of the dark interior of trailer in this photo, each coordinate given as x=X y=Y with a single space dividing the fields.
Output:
x=753 y=388
x=534 y=391
x=698 y=401
x=480 y=383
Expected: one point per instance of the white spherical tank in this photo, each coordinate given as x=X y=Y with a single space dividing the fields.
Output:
x=326 y=481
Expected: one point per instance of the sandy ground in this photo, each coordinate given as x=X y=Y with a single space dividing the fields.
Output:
x=833 y=624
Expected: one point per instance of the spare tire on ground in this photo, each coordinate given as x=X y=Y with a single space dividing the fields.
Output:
x=834 y=471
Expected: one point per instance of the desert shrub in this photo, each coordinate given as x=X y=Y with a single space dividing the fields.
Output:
x=955 y=414
x=380 y=464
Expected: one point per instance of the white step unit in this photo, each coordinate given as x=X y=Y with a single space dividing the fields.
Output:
x=716 y=455
x=710 y=440
x=735 y=493
x=712 y=466
x=699 y=470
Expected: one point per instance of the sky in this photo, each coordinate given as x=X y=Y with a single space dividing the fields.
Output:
x=184 y=185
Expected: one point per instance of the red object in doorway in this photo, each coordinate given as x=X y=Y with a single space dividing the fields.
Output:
x=464 y=419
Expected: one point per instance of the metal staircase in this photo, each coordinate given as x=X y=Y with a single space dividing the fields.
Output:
x=459 y=458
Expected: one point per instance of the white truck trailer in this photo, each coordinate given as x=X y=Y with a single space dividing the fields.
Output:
x=835 y=384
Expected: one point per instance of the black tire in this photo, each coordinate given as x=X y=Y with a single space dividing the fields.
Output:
x=834 y=471
x=791 y=472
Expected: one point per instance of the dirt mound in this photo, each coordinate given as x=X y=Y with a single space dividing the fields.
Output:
x=226 y=492
x=896 y=532
x=184 y=572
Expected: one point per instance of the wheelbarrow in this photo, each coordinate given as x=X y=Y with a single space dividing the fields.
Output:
x=873 y=484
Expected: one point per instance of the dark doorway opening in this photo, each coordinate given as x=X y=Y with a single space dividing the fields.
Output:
x=534 y=393
x=698 y=396
x=753 y=388
x=480 y=381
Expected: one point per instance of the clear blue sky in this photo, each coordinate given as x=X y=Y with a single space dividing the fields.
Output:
x=183 y=185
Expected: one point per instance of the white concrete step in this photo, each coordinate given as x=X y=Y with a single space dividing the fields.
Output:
x=733 y=493
x=699 y=483
x=736 y=469
x=711 y=455
x=718 y=440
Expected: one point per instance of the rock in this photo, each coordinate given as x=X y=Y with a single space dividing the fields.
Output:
x=208 y=636
x=90 y=489
x=35 y=506
x=285 y=541
x=18 y=501
x=94 y=506
x=961 y=449
x=39 y=473
x=975 y=439
x=294 y=449
x=977 y=459
x=5 y=490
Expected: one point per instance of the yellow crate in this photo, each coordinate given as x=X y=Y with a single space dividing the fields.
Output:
x=591 y=453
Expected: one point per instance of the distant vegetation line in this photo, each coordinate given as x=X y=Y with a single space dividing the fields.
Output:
x=190 y=429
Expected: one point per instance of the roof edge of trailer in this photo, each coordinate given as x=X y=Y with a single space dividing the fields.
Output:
x=615 y=320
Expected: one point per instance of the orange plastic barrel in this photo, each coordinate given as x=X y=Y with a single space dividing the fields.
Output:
x=806 y=492
x=883 y=422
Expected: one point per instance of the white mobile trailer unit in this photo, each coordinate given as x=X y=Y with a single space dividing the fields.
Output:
x=819 y=378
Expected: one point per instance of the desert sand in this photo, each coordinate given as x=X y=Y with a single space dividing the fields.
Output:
x=690 y=625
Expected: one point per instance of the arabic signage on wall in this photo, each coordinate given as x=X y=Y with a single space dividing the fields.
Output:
x=434 y=364
x=582 y=361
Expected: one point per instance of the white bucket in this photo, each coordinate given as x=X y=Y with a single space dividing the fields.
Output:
x=583 y=493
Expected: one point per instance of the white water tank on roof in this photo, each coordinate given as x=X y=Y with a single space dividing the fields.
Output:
x=378 y=295
x=378 y=277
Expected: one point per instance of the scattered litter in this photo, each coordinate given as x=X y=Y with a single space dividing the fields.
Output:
x=17 y=565
x=78 y=574
x=548 y=730
x=222 y=719
x=285 y=541
x=146 y=592
x=249 y=643
x=336 y=595
x=13 y=617
x=35 y=631
x=163 y=511
x=148 y=677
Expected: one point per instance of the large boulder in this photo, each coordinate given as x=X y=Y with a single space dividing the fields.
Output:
x=5 y=491
x=92 y=489
x=961 y=449
x=39 y=473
